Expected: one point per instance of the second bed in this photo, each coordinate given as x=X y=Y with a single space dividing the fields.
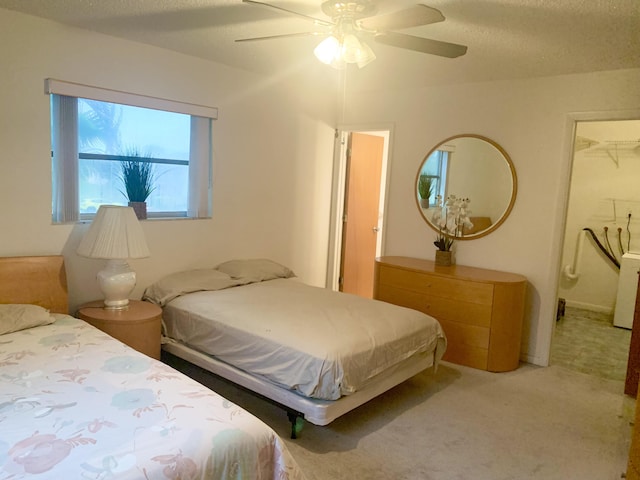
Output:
x=316 y=352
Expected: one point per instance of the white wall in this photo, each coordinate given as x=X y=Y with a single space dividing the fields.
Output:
x=604 y=189
x=273 y=150
x=273 y=160
x=529 y=119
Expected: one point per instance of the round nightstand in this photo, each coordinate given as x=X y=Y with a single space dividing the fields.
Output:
x=138 y=325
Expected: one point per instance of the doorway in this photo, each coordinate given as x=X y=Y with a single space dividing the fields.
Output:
x=602 y=227
x=358 y=208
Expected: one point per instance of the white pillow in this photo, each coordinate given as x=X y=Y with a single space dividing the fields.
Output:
x=255 y=270
x=17 y=316
x=188 y=281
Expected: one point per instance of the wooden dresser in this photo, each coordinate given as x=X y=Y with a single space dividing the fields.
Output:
x=481 y=311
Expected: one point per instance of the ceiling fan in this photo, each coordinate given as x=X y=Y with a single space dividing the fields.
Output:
x=353 y=21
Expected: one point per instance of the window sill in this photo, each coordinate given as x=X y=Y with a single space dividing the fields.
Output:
x=149 y=219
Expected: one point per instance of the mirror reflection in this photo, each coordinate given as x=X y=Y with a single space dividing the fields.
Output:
x=471 y=167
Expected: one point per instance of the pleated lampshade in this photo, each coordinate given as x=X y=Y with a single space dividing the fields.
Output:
x=114 y=234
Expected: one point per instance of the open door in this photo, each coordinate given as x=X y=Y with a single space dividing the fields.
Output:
x=361 y=218
x=633 y=365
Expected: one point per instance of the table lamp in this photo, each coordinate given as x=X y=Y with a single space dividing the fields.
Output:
x=115 y=235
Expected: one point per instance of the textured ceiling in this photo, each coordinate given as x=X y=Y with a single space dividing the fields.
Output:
x=507 y=39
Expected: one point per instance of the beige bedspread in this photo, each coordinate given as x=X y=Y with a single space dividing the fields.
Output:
x=320 y=343
x=77 y=404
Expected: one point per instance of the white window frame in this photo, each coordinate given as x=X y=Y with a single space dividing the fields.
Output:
x=65 y=197
x=441 y=158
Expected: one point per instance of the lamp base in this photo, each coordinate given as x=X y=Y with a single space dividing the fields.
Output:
x=116 y=281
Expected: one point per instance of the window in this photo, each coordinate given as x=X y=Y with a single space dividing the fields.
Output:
x=436 y=168
x=95 y=130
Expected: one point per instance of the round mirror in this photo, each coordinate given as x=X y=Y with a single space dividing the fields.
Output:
x=468 y=167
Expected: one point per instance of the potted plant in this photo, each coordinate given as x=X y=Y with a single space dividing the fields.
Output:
x=451 y=218
x=138 y=177
x=444 y=242
x=425 y=189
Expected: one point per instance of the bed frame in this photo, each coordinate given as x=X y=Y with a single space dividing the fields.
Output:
x=298 y=407
x=40 y=280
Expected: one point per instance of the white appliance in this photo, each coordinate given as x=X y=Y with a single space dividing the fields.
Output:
x=627 y=289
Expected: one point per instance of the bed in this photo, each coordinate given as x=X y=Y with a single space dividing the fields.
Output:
x=76 y=403
x=315 y=352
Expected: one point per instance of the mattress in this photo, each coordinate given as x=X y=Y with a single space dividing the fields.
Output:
x=76 y=403
x=316 y=342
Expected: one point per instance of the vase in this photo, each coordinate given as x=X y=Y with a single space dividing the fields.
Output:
x=444 y=258
x=140 y=208
x=424 y=202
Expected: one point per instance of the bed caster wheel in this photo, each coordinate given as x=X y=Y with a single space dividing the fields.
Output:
x=297 y=422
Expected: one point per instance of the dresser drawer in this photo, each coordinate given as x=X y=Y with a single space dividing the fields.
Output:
x=423 y=283
x=474 y=357
x=439 y=308
x=470 y=335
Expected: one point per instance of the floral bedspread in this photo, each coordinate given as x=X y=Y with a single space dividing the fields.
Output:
x=77 y=404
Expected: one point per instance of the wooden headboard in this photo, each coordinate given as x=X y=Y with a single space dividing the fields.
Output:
x=36 y=280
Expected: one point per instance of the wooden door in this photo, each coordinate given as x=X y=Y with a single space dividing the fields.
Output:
x=633 y=366
x=633 y=464
x=360 y=221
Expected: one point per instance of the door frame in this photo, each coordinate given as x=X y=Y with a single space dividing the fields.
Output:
x=338 y=193
x=563 y=199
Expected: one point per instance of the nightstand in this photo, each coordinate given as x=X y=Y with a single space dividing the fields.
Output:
x=138 y=325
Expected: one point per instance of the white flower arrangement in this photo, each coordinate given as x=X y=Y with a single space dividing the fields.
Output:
x=451 y=217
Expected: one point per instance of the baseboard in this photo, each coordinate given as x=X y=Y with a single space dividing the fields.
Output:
x=589 y=306
x=534 y=360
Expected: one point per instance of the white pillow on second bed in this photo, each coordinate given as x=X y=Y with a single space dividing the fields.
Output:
x=255 y=270
x=189 y=281
x=225 y=275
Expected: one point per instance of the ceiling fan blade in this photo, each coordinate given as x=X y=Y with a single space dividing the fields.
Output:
x=284 y=35
x=291 y=12
x=410 y=17
x=419 y=44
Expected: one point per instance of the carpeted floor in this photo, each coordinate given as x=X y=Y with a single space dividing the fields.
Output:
x=464 y=424
x=587 y=342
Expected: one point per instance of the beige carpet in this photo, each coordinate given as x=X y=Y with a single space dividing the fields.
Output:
x=461 y=423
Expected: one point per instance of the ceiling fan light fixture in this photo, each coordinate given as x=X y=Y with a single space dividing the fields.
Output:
x=351 y=48
x=327 y=50
x=352 y=20
x=340 y=52
x=364 y=55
